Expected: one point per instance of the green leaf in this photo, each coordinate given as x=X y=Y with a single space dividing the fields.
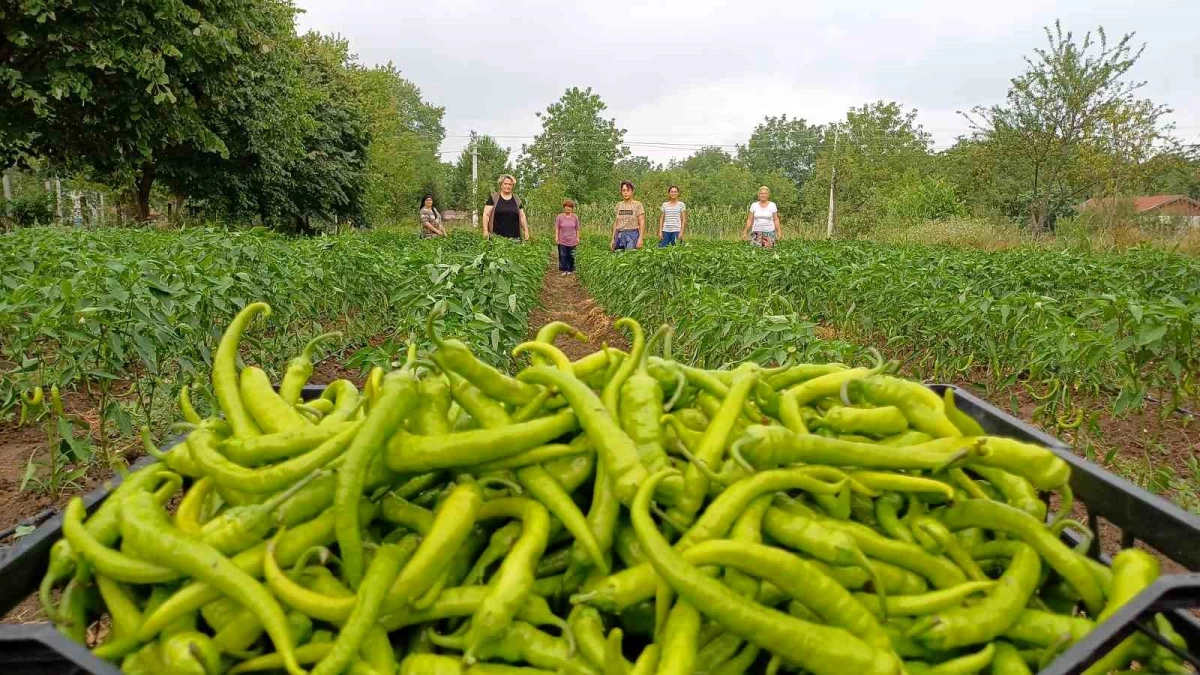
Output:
x=1150 y=334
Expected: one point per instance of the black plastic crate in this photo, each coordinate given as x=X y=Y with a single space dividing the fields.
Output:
x=1140 y=516
x=38 y=649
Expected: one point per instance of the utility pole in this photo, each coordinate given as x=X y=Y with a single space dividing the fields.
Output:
x=832 y=182
x=474 y=182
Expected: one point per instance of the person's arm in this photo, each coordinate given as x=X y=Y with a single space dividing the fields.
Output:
x=641 y=227
x=439 y=226
x=524 y=224
x=778 y=228
x=487 y=220
x=427 y=223
x=682 y=222
x=662 y=218
x=749 y=221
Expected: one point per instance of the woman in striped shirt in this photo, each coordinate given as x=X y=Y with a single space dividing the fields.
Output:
x=673 y=219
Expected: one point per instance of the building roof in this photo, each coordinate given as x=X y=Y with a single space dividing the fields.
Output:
x=1143 y=203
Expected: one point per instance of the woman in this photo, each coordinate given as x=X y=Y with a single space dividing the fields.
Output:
x=566 y=235
x=503 y=213
x=762 y=223
x=629 y=225
x=672 y=220
x=431 y=220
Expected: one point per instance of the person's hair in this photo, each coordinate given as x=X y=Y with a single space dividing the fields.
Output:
x=568 y=202
x=673 y=187
x=763 y=187
x=500 y=180
x=629 y=183
x=429 y=197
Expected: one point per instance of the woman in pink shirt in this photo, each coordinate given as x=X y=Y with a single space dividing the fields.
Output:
x=566 y=235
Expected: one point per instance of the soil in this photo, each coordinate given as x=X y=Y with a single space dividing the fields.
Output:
x=21 y=444
x=331 y=368
x=564 y=299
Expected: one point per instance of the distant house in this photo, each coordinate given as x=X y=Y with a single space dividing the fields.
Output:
x=1148 y=205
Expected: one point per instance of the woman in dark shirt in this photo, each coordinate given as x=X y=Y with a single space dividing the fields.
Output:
x=503 y=213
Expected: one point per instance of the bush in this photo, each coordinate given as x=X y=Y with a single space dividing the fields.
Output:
x=33 y=209
x=922 y=198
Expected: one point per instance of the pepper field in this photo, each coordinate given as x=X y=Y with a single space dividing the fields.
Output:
x=1101 y=349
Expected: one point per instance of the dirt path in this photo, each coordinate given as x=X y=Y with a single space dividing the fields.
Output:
x=563 y=298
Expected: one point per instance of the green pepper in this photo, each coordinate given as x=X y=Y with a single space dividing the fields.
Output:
x=225 y=374
x=270 y=412
x=300 y=368
x=453 y=355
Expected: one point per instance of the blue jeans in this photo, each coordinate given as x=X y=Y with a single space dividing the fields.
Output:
x=668 y=239
x=566 y=258
x=626 y=240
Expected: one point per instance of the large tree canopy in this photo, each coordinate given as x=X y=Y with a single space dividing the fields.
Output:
x=788 y=146
x=115 y=85
x=877 y=144
x=402 y=161
x=492 y=163
x=577 y=145
x=1071 y=126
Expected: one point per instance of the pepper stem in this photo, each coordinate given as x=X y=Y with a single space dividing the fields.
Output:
x=438 y=311
x=307 y=352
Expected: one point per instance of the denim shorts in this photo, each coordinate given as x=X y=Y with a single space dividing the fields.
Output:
x=626 y=240
x=668 y=239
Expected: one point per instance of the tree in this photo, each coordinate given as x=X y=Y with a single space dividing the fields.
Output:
x=296 y=137
x=329 y=180
x=705 y=160
x=1071 y=125
x=878 y=144
x=493 y=162
x=1176 y=172
x=402 y=159
x=577 y=145
x=114 y=85
x=786 y=146
x=711 y=178
x=633 y=169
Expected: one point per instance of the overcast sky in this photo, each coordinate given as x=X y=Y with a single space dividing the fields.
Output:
x=680 y=74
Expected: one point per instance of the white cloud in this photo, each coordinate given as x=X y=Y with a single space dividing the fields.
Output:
x=697 y=72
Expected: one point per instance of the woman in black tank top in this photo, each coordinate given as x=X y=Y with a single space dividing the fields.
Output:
x=503 y=213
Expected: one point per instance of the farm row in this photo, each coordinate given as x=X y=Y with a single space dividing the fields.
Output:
x=124 y=320
x=119 y=323
x=1122 y=325
x=1103 y=350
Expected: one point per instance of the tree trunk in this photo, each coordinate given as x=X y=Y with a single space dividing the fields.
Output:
x=145 y=181
x=176 y=203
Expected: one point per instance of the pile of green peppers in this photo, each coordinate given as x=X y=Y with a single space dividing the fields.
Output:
x=623 y=513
